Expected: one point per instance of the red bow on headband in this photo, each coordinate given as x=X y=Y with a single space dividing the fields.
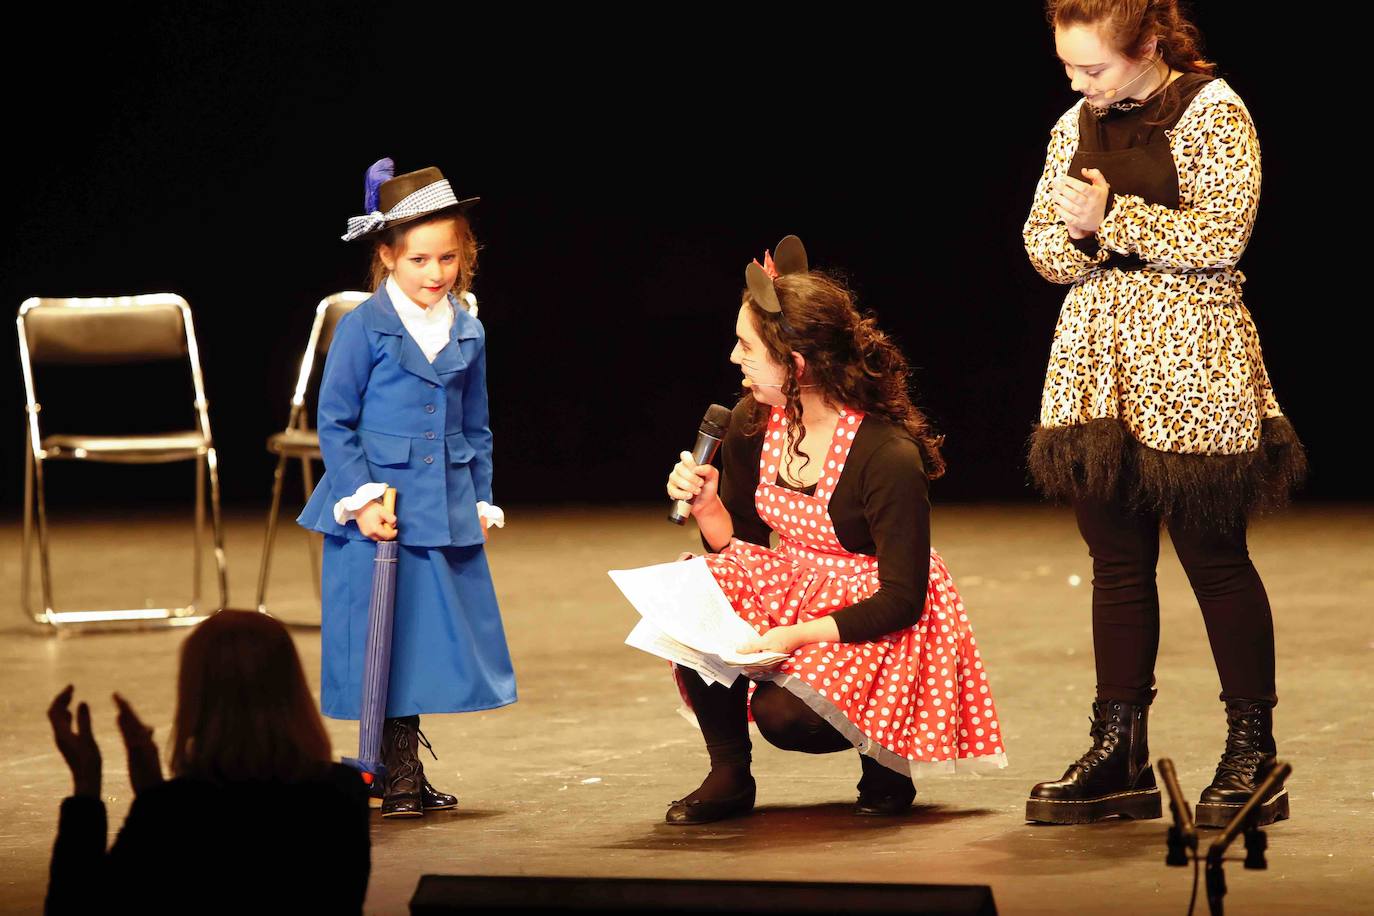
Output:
x=768 y=266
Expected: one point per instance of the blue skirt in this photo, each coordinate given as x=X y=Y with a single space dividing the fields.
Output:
x=448 y=648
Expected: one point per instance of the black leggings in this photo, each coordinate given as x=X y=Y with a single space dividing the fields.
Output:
x=783 y=719
x=1124 y=544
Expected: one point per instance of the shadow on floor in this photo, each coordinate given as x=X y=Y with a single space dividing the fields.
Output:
x=771 y=827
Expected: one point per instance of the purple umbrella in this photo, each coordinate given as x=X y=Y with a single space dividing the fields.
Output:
x=377 y=659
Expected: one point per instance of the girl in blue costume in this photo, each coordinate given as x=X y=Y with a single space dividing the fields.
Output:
x=403 y=403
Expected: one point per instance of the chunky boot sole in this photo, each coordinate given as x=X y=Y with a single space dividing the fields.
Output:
x=1214 y=814
x=1138 y=805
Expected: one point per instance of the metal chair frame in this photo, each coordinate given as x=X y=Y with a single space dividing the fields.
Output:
x=306 y=448
x=298 y=422
x=38 y=453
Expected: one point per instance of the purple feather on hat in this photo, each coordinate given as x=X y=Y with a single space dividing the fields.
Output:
x=380 y=171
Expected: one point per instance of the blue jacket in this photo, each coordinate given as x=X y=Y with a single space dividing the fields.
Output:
x=388 y=415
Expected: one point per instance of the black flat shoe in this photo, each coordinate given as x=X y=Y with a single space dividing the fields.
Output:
x=704 y=811
x=872 y=804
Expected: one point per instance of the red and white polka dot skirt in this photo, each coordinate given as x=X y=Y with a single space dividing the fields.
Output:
x=915 y=699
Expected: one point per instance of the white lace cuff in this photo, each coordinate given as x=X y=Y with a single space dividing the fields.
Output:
x=346 y=509
x=492 y=515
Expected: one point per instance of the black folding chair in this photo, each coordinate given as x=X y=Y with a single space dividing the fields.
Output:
x=113 y=331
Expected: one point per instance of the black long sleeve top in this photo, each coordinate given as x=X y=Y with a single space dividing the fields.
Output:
x=191 y=846
x=880 y=508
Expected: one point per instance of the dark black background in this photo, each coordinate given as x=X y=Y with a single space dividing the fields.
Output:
x=629 y=165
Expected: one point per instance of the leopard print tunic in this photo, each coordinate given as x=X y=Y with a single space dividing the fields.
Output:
x=1156 y=378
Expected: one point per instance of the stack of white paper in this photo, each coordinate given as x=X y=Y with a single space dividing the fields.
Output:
x=686 y=619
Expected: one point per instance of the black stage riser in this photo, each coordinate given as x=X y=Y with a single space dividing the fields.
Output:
x=442 y=894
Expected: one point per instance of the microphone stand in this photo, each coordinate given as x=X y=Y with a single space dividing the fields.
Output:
x=1255 y=840
x=1182 y=838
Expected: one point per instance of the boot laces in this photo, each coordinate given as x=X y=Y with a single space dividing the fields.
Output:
x=425 y=741
x=1104 y=731
x=1242 y=755
x=406 y=768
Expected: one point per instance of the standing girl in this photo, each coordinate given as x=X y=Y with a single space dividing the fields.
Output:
x=1156 y=406
x=403 y=403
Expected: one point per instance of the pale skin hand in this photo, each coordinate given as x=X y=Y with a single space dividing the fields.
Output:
x=701 y=483
x=1082 y=205
x=789 y=639
x=380 y=525
x=376 y=522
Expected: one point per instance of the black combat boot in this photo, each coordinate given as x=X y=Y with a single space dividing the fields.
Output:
x=404 y=777
x=1113 y=777
x=1249 y=746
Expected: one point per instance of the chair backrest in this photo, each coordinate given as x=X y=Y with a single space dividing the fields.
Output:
x=116 y=330
x=124 y=329
x=328 y=313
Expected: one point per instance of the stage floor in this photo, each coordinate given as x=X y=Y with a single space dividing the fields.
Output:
x=574 y=779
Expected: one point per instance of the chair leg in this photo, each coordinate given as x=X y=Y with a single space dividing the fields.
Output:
x=198 y=533
x=270 y=536
x=217 y=520
x=44 y=564
x=26 y=551
x=313 y=540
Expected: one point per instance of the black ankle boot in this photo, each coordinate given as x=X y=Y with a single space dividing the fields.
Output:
x=726 y=792
x=883 y=792
x=1114 y=777
x=431 y=799
x=1249 y=746
x=404 y=776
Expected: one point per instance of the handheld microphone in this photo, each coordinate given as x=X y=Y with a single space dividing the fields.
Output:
x=712 y=431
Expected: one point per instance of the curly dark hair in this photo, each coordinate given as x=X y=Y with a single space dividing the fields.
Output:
x=852 y=362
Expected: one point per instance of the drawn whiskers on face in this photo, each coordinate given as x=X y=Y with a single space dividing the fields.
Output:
x=751 y=368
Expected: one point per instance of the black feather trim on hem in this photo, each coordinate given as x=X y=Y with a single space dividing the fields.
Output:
x=1101 y=459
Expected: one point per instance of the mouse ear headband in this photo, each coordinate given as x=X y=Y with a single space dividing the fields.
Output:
x=791 y=259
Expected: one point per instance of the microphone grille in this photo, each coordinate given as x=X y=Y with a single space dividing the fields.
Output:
x=716 y=421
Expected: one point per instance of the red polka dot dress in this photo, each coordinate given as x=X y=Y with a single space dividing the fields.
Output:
x=914 y=698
